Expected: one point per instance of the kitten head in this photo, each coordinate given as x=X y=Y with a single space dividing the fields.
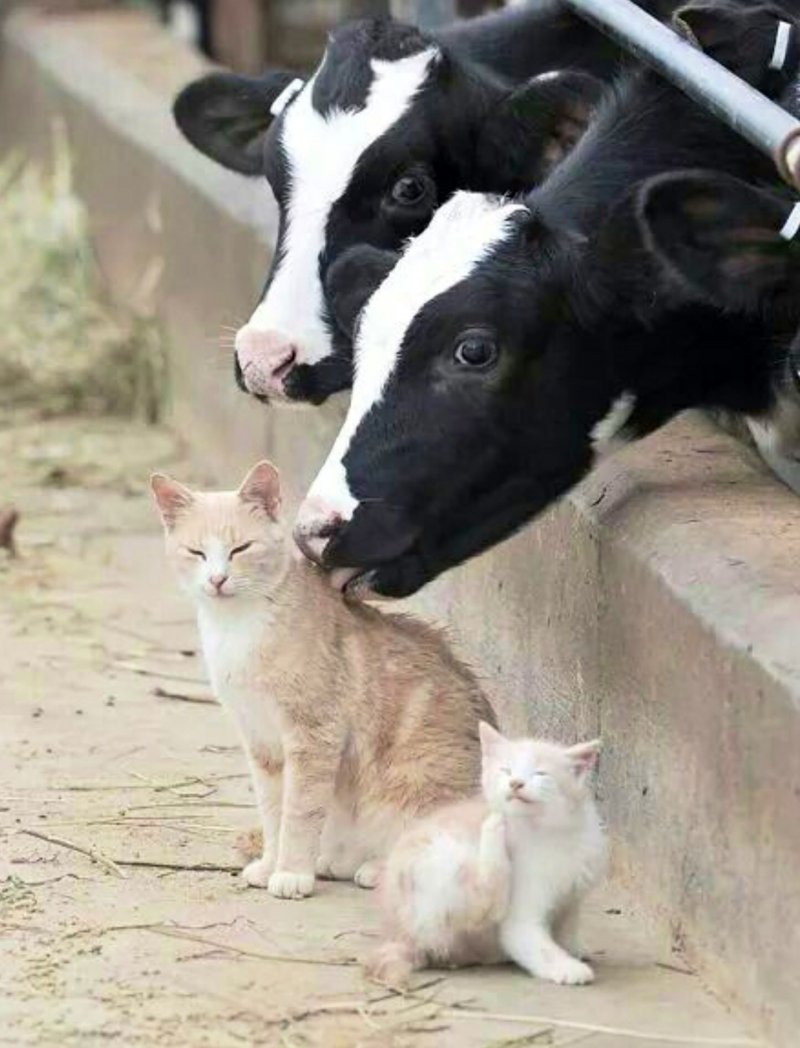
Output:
x=225 y=545
x=531 y=778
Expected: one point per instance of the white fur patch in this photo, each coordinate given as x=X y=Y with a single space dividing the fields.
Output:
x=322 y=152
x=461 y=234
x=605 y=432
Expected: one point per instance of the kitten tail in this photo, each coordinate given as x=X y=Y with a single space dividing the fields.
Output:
x=250 y=844
x=391 y=965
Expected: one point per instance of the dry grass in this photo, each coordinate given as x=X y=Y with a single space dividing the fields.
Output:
x=63 y=348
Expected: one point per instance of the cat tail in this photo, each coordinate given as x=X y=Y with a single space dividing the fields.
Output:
x=391 y=965
x=250 y=844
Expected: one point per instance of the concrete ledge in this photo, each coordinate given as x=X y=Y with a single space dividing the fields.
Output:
x=659 y=605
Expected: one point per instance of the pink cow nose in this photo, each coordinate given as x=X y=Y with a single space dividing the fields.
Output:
x=316 y=523
x=265 y=358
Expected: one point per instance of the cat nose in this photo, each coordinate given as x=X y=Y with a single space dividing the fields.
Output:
x=218 y=581
x=516 y=784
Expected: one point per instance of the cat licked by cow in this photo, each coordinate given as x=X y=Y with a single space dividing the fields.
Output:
x=517 y=271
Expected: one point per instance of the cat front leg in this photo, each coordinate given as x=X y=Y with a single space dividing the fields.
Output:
x=308 y=784
x=532 y=947
x=266 y=772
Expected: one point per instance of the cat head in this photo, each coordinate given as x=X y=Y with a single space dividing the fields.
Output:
x=225 y=545
x=536 y=779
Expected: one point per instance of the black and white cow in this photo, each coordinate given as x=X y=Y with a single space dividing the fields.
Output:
x=515 y=340
x=389 y=126
x=738 y=246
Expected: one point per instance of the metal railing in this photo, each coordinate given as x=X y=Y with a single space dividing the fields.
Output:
x=762 y=122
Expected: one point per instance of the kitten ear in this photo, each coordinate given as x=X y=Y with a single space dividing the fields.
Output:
x=584 y=756
x=490 y=738
x=172 y=498
x=262 y=485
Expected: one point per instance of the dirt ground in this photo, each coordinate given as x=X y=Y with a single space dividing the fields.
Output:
x=155 y=941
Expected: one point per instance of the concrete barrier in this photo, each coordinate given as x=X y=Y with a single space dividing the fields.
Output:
x=658 y=606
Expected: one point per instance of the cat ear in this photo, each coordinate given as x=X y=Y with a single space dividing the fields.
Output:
x=262 y=485
x=584 y=756
x=171 y=497
x=490 y=738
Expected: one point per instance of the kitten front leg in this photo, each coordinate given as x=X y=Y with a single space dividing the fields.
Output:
x=566 y=927
x=533 y=948
x=308 y=784
x=267 y=777
x=494 y=870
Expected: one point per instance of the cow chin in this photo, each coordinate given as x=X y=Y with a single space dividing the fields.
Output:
x=376 y=536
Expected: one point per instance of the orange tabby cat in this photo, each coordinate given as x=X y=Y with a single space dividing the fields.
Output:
x=353 y=721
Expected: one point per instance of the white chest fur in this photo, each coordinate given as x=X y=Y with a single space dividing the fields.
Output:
x=234 y=651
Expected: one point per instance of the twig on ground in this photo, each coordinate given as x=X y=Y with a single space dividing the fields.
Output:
x=191 y=867
x=616 y=1031
x=9 y=518
x=152 y=671
x=91 y=853
x=203 y=697
x=180 y=933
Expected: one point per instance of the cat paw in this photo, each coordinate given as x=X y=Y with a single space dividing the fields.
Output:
x=286 y=885
x=368 y=874
x=330 y=869
x=256 y=874
x=568 y=971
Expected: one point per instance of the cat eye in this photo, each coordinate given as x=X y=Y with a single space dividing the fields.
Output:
x=196 y=552
x=240 y=549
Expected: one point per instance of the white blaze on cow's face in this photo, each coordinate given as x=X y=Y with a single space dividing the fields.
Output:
x=321 y=151
x=459 y=237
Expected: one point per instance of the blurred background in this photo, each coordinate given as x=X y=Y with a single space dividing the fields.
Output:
x=246 y=34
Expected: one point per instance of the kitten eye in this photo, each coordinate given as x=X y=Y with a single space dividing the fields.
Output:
x=196 y=552
x=240 y=549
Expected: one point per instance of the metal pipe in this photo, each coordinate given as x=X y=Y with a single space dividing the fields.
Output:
x=762 y=122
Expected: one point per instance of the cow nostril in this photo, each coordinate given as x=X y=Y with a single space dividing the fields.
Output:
x=312 y=534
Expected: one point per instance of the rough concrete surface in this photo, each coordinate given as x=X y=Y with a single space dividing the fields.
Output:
x=160 y=953
x=658 y=606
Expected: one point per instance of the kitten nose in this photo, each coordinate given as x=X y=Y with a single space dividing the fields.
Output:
x=218 y=581
x=516 y=784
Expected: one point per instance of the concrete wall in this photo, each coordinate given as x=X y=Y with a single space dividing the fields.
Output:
x=658 y=606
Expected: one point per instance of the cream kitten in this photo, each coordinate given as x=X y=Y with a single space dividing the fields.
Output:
x=497 y=877
x=353 y=722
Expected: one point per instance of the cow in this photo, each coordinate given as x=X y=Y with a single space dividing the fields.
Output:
x=392 y=122
x=518 y=339
x=737 y=246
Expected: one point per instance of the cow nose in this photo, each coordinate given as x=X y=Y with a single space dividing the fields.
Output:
x=265 y=358
x=316 y=523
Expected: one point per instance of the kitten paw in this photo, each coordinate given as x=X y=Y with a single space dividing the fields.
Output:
x=286 y=885
x=568 y=971
x=368 y=874
x=256 y=874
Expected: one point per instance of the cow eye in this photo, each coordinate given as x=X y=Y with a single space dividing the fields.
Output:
x=409 y=189
x=240 y=549
x=476 y=350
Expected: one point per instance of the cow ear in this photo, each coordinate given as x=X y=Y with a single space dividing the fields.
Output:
x=226 y=116
x=725 y=240
x=756 y=42
x=534 y=127
x=351 y=281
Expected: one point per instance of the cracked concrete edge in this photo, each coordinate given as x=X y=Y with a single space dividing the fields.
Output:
x=659 y=604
